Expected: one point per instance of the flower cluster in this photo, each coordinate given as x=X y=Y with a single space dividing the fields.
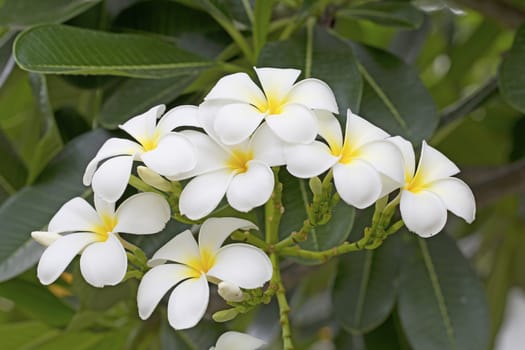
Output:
x=227 y=147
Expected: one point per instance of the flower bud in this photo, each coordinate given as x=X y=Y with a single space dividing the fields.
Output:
x=45 y=238
x=316 y=185
x=225 y=315
x=230 y=292
x=153 y=179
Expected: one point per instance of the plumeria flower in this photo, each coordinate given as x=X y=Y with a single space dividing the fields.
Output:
x=286 y=107
x=242 y=172
x=237 y=341
x=431 y=190
x=164 y=151
x=192 y=265
x=365 y=165
x=94 y=234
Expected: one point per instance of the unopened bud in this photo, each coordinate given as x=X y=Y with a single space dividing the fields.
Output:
x=153 y=179
x=45 y=238
x=225 y=315
x=230 y=292
x=315 y=185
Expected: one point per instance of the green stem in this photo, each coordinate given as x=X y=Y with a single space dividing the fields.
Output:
x=252 y=239
x=284 y=308
x=273 y=210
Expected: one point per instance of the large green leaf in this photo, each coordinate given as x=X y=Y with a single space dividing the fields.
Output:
x=441 y=303
x=394 y=97
x=261 y=22
x=24 y=13
x=202 y=336
x=512 y=72
x=62 y=49
x=32 y=207
x=323 y=55
x=365 y=288
x=21 y=335
x=135 y=96
x=388 y=13
x=12 y=170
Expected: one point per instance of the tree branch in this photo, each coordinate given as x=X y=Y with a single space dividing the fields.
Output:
x=499 y=10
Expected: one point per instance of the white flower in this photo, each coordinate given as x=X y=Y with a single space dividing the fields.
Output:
x=242 y=172
x=365 y=165
x=430 y=191
x=286 y=107
x=93 y=234
x=229 y=291
x=164 y=151
x=194 y=264
x=237 y=341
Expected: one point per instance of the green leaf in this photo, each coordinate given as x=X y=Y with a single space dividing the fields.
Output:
x=324 y=56
x=512 y=72
x=13 y=173
x=261 y=23
x=25 y=13
x=21 y=335
x=202 y=336
x=32 y=207
x=58 y=49
x=387 y=13
x=36 y=302
x=365 y=288
x=441 y=303
x=394 y=98
x=135 y=96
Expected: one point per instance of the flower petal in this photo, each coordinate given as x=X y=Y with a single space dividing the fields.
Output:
x=407 y=152
x=203 y=193
x=59 y=254
x=75 y=215
x=267 y=147
x=434 y=165
x=236 y=87
x=385 y=158
x=252 y=188
x=182 y=248
x=45 y=238
x=185 y=115
x=143 y=213
x=295 y=124
x=238 y=341
x=142 y=126
x=173 y=155
x=236 y=122
x=104 y=208
x=104 y=263
x=358 y=183
x=314 y=94
x=359 y=131
x=214 y=231
x=156 y=282
x=112 y=147
x=243 y=265
x=305 y=161
x=188 y=302
x=423 y=212
x=329 y=128
x=277 y=82
x=457 y=197
x=111 y=178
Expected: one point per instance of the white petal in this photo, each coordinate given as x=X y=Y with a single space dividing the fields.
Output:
x=188 y=302
x=111 y=178
x=407 y=152
x=314 y=94
x=75 y=215
x=45 y=238
x=207 y=113
x=214 y=231
x=295 y=124
x=236 y=122
x=267 y=147
x=173 y=155
x=142 y=127
x=156 y=282
x=58 y=255
x=252 y=188
x=143 y=213
x=238 y=341
x=360 y=131
x=104 y=263
x=385 y=158
x=182 y=248
x=237 y=87
x=203 y=193
x=329 y=128
x=110 y=148
x=277 y=82
x=104 y=208
x=243 y=265
x=457 y=197
x=434 y=165
x=185 y=115
x=305 y=161
x=358 y=183
x=423 y=212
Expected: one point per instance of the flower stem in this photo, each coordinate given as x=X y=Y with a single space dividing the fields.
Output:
x=250 y=238
x=284 y=308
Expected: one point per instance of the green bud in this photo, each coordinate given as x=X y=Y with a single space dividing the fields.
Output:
x=153 y=179
x=225 y=315
x=315 y=185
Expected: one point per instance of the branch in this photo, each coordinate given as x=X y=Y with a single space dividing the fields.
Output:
x=499 y=10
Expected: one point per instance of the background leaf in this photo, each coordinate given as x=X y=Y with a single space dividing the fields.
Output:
x=512 y=73
x=390 y=13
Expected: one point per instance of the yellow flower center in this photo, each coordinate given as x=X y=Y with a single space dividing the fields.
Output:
x=347 y=152
x=272 y=105
x=415 y=183
x=239 y=161
x=202 y=264
x=149 y=143
x=107 y=224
